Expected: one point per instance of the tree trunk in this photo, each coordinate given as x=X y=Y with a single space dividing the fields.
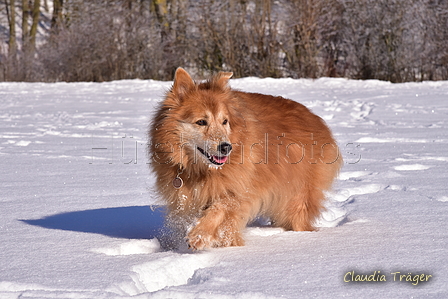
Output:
x=25 y=15
x=12 y=29
x=33 y=31
x=57 y=14
x=160 y=8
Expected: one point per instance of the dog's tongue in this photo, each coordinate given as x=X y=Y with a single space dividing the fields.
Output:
x=220 y=160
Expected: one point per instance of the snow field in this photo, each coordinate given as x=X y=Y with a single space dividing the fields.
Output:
x=80 y=219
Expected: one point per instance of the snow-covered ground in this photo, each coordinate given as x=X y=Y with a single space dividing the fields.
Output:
x=76 y=221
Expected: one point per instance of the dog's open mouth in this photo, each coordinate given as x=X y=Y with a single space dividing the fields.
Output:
x=216 y=160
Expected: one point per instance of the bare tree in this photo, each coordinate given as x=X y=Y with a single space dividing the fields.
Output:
x=25 y=14
x=10 y=65
x=11 y=14
x=35 y=17
x=57 y=14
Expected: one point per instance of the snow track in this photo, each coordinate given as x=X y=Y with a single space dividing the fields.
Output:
x=76 y=193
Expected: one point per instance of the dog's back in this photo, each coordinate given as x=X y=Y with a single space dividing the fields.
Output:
x=295 y=156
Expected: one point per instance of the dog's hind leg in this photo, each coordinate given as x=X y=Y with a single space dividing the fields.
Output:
x=302 y=210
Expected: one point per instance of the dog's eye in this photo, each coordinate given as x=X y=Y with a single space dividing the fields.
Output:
x=201 y=122
x=225 y=122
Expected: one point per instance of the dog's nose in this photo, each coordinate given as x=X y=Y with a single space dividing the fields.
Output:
x=224 y=148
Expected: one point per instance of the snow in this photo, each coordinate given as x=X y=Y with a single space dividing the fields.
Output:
x=79 y=217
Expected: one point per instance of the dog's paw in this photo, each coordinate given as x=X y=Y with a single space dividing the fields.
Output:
x=235 y=240
x=201 y=241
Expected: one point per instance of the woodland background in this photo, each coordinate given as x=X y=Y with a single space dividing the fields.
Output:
x=102 y=40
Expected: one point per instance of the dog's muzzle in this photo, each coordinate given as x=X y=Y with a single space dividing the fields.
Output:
x=223 y=149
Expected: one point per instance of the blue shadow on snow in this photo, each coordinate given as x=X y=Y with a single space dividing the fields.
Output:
x=138 y=222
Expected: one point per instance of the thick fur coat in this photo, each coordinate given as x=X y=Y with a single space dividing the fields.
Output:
x=223 y=156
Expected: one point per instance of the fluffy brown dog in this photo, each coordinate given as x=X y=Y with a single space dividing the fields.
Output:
x=222 y=157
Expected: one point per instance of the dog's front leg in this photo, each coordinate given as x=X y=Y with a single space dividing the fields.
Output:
x=220 y=226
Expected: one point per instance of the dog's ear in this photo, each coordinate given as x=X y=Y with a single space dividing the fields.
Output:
x=182 y=83
x=222 y=79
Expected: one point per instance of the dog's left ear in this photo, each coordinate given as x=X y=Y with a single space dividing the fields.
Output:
x=222 y=79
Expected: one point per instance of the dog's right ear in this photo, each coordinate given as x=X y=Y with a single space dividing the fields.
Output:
x=222 y=80
x=182 y=83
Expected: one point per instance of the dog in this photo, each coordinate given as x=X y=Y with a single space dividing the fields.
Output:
x=222 y=157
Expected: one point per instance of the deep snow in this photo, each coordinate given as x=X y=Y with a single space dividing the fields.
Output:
x=76 y=221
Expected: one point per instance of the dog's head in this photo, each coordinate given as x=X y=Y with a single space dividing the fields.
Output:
x=203 y=117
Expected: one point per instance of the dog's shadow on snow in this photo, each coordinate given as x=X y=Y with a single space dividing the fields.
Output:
x=136 y=222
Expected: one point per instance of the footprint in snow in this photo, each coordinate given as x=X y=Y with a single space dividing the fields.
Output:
x=173 y=270
x=345 y=194
x=335 y=213
x=442 y=199
x=411 y=167
x=132 y=247
x=344 y=176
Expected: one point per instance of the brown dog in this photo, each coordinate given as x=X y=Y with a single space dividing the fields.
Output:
x=222 y=157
